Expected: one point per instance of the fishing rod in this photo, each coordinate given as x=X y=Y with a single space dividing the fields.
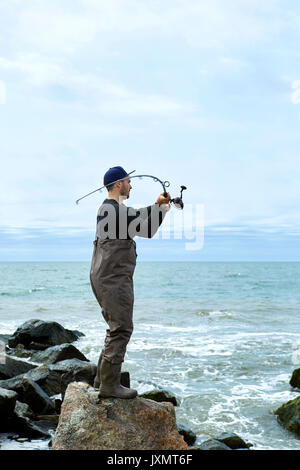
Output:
x=177 y=201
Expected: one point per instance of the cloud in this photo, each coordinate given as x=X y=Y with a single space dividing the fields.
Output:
x=67 y=27
x=2 y=92
x=112 y=98
x=295 y=96
x=38 y=70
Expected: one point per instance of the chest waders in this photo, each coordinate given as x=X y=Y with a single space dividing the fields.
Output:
x=111 y=275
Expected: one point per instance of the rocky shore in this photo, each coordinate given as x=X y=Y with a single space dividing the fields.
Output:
x=46 y=392
x=288 y=414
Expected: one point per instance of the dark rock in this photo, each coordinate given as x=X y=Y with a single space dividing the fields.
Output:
x=36 y=398
x=188 y=435
x=289 y=415
x=33 y=345
x=295 y=379
x=12 y=367
x=24 y=409
x=21 y=423
x=57 y=404
x=211 y=444
x=19 y=352
x=35 y=332
x=75 y=370
x=78 y=333
x=232 y=440
x=125 y=379
x=160 y=395
x=29 y=392
x=47 y=422
x=8 y=400
x=89 y=423
x=58 y=353
x=48 y=380
x=54 y=378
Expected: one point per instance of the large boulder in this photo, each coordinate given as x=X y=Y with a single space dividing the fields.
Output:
x=295 y=379
x=289 y=415
x=39 y=334
x=21 y=422
x=8 y=400
x=28 y=391
x=74 y=370
x=54 y=378
x=58 y=353
x=89 y=423
x=47 y=379
x=10 y=367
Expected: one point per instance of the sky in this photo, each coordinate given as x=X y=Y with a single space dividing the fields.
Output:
x=201 y=94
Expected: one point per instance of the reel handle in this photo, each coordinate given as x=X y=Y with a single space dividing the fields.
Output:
x=177 y=201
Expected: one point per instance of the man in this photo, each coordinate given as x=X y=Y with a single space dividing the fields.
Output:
x=112 y=268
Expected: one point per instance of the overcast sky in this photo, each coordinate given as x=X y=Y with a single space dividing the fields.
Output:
x=205 y=94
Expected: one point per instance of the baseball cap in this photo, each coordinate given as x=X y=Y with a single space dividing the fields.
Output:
x=114 y=174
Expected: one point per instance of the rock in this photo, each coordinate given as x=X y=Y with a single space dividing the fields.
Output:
x=12 y=367
x=212 y=444
x=289 y=415
x=89 y=423
x=22 y=424
x=188 y=435
x=232 y=440
x=160 y=395
x=295 y=379
x=41 y=334
x=8 y=400
x=74 y=370
x=36 y=398
x=20 y=352
x=125 y=379
x=54 y=378
x=47 y=422
x=29 y=392
x=48 y=380
x=58 y=353
x=78 y=333
x=33 y=345
x=24 y=409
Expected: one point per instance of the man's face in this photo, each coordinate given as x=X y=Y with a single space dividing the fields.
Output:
x=125 y=188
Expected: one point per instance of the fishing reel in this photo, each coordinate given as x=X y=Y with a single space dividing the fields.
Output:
x=177 y=201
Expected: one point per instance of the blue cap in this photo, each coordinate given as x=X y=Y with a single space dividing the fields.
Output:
x=114 y=174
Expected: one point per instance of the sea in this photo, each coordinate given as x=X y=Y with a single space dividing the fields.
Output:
x=224 y=337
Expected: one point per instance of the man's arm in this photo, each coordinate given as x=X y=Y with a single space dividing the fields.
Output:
x=148 y=219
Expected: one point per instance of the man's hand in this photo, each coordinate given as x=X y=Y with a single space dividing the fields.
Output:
x=164 y=200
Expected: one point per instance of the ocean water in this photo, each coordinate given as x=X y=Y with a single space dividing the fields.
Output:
x=223 y=337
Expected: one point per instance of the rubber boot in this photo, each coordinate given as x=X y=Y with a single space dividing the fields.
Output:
x=97 y=378
x=110 y=382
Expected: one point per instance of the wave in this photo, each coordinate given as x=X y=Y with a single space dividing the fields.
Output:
x=214 y=313
x=22 y=293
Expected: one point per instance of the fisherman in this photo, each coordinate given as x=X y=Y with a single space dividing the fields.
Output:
x=112 y=268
